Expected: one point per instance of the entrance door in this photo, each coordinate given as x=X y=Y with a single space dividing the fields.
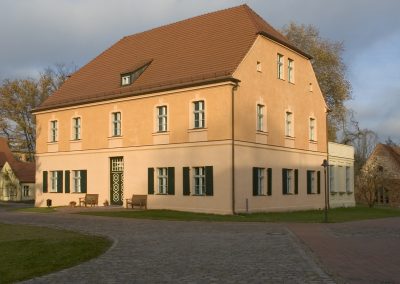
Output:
x=116 y=180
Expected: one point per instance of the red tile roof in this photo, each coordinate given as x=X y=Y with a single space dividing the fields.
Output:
x=198 y=50
x=24 y=171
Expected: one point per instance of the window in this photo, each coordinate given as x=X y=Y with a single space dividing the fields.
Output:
x=312 y=129
x=199 y=181
x=162 y=180
x=290 y=70
x=280 y=66
x=162 y=118
x=348 y=180
x=76 y=128
x=199 y=117
x=26 y=191
x=290 y=181
x=313 y=182
x=259 y=69
x=126 y=79
x=289 y=124
x=77 y=181
x=260 y=117
x=262 y=181
x=53 y=181
x=53 y=130
x=116 y=124
x=310 y=87
x=332 y=188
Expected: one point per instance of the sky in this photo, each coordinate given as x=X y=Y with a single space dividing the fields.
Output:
x=36 y=34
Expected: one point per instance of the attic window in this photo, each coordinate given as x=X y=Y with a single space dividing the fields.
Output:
x=128 y=78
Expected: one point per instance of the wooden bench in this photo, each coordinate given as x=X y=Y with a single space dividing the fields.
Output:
x=89 y=199
x=137 y=200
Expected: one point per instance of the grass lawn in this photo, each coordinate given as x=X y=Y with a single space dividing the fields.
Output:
x=36 y=209
x=28 y=251
x=311 y=216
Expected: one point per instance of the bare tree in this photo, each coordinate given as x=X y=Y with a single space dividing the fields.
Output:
x=369 y=180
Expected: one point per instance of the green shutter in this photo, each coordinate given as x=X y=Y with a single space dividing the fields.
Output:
x=269 y=176
x=150 y=181
x=171 y=181
x=284 y=181
x=59 y=181
x=67 y=179
x=255 y=181
x=309 y=173
x=319 y=182
x=296 y=181
x=44 y=181
x=186 y=181
x=83 y=181
x=209 y=181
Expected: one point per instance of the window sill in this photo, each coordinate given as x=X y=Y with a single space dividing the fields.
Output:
x=160 y=133
x=161 y=194
x=75 y=140
x=198 y=195
x=115 y=137
x=292 y=83
x=312 y=141
x=289 y=137
x=197 y=130
x=52 y=142
x=261 y=132
x=281 y=79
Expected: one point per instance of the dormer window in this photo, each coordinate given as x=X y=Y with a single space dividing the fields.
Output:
x=126 y=79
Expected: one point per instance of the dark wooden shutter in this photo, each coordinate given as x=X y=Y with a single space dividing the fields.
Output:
x=255 y=181
x=44 y=181
x=269 y=176
x=309 y=174
x=59 y=181
x=171 y=180
x=319 y=182
x=83 y=181
x=209 y=181
x=284 y=181
x=186 y=181
x=67 y=179
x=296 y=181
x=150 y=181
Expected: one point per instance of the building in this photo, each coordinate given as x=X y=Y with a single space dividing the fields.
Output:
x=341 y=175
x=387 y=158
x=17 y=179
x=218 y=113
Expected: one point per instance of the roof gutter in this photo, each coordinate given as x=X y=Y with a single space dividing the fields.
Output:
x=113 y=95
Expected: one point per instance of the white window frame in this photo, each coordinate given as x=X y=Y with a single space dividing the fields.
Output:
x=289 y=124
x=77 y=181
x=313 y=182
x=280 y=66
x=199 y=114
x=259 y=66
x=312 y=129
x=26 y=190
x=261 y=181
x=126 y=79
x=348 y=179
x=76 y=127
x=162 y=118
x=199 y=178
x=53 y=130
x=290 y=70
x=53 y=181
x=162 y=180
x=289 y=181
x=116 y=118
x=260 y=118
x=332 y=178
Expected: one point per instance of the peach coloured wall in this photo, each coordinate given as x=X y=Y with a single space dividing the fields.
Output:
x=278 y=96
x=248 y=156
x=136 y=162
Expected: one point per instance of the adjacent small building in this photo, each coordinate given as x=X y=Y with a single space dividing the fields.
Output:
x=17 y=178
x=388 y=159
x=341 y=175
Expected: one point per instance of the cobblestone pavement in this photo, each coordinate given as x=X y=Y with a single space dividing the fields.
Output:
x=147 y=251
x=356 y=252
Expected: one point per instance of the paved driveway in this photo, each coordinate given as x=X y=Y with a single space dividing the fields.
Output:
x=147 y=251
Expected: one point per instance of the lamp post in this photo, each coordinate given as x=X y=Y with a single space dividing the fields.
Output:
x=325 y=164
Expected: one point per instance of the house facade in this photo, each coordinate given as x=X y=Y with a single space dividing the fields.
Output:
x=387 y=158
x=17 y=178
x=217 y=113
x=341 y=175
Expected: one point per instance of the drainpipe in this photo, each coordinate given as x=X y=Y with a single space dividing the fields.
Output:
x=234 y=88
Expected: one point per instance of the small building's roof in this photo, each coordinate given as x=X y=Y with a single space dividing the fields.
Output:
x=199 y=50
x=24 y=171
x=392 y=151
